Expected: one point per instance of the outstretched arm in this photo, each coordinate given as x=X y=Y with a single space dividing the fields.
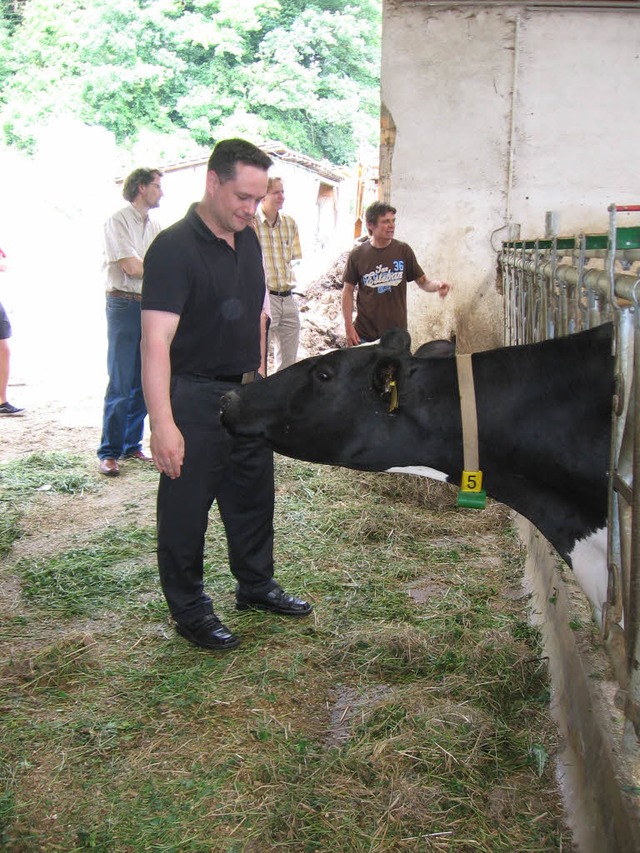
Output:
x=433 y=286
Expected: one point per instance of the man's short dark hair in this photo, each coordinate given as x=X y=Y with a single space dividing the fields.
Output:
x=228 y=152
x=131 y=185
x=376 y=210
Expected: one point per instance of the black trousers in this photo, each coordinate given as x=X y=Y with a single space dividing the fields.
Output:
x=238 y=475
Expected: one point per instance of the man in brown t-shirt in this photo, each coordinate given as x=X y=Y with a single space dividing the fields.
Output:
x=380 y=268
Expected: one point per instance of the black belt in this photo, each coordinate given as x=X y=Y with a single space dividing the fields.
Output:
x=280 y=293
x=237 y=378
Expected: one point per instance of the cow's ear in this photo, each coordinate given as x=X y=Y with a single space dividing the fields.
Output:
x=397 y=340
x=386 y=379
x=436 y=349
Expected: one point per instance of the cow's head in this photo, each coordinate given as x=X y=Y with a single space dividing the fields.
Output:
x=350 y=407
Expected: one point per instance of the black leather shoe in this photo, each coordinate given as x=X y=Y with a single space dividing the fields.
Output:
x=209 y=633
x=275 y=601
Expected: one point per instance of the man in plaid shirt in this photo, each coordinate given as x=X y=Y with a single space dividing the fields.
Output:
x=280 y=241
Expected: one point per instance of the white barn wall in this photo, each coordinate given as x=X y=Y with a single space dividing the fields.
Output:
x=180 y=187
x=577 y=127
x=511 y=111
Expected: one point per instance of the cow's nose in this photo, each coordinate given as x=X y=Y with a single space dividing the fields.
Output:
x=229 y=405
x=226 y=400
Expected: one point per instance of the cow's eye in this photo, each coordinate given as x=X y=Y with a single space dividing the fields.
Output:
x=324 y=374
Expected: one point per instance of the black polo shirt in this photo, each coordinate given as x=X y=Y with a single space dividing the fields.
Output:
x=218 y=293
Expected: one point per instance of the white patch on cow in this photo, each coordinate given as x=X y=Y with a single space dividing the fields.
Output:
x=589 y=561
x=420 y=471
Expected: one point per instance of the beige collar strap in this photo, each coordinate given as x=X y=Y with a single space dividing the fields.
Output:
x=469 y=413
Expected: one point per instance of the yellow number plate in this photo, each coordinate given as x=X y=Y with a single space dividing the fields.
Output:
x=471 y=481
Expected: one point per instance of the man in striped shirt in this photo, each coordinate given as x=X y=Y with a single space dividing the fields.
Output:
x=280 y=242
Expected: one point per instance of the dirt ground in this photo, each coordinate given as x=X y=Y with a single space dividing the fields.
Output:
x=49 y=424
x=51 y=520
x=61 y=386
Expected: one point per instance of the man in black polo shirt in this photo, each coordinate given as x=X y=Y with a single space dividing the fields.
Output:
x=202 y=299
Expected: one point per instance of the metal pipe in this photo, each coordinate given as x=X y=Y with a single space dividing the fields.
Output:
x=632 y=618
x=595 y=279
x=512 y=128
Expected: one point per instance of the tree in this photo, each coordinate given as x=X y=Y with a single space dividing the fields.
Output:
x=304 y=73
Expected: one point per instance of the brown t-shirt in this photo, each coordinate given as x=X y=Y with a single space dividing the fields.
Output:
x=381 y=276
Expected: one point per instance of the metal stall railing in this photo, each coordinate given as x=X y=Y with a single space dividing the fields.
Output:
x=560 y=285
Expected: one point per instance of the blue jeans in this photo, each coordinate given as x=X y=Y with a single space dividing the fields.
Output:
x=124 y=406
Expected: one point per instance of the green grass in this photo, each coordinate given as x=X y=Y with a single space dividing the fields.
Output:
x=381 y=723
x=114 y=568
x=57 y=472
x=10 y=529
x=21 y=479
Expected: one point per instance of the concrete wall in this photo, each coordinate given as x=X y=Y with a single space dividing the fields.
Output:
x=494 y=114
x=599 y=763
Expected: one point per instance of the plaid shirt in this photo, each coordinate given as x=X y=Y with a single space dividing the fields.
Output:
x=280 y=245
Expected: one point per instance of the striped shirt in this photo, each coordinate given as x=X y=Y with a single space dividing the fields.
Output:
x=280 y=245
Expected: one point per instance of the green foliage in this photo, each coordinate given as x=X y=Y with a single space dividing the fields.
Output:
x=305 y=73
x=10 y=14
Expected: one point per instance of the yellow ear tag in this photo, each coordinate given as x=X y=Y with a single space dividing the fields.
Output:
x=392 y=389
x=471 y=494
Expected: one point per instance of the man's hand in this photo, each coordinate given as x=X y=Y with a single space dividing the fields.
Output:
x=433 y=285
x=441 y=287
x=348 y=289
x=353 y=338
x=167 y=449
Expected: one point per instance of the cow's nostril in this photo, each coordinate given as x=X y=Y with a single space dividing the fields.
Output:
x=227 y=405
x=228 y=399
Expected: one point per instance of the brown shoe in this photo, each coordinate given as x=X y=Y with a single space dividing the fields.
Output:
x=140 y=455
x=109 y=467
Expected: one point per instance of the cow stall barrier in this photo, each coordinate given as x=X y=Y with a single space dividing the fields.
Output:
x=560 y=285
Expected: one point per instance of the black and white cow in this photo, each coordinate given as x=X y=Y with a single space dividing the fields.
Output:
x=544 y=422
